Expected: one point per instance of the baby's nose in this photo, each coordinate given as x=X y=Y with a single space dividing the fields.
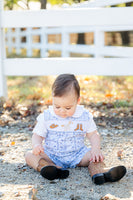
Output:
x=63 y=110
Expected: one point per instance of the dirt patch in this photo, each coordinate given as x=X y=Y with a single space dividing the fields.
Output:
x=18 y=181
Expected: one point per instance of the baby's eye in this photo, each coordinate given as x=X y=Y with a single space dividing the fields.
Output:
x=68 y=108
x=57 y=107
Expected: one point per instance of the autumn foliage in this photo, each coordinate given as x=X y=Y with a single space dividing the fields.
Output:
x=94 y=89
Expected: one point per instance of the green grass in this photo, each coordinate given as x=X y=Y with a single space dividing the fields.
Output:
x=123 y=103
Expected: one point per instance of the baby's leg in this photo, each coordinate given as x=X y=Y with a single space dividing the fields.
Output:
x=99 y=173
x=85 y=160
x=33 y=161
x=45 y=166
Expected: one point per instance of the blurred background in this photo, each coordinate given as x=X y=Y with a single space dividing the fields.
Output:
x=69 y=42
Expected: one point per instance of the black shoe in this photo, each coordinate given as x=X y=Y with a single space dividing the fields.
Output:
x=52 y=172
x=113 y=175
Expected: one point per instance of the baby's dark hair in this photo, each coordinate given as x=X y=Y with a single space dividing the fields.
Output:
x=64 y=83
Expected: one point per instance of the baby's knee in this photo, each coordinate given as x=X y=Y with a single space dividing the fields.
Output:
x=27 y=156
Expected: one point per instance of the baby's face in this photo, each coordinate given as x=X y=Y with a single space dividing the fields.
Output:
x=65 y=106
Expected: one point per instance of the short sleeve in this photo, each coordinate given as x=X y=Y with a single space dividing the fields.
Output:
x=91 y=126
x=40 y=128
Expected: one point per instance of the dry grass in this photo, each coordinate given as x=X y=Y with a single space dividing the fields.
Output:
x=94 y=89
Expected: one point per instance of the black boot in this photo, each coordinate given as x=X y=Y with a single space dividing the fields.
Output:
x=52 y=172
x=100 y=175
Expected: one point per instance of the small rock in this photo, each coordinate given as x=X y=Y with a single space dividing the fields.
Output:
x=2 y=152
x=102 y=124
x=1 y=160
x=23 y=139
x=17 y=194
x=1 y=194
x=109 y=197
x=72 y=197
x=63 y=188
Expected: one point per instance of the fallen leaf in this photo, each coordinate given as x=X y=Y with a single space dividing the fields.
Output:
x=34 y=193
x=13 y=143
x=120 y=154
x=86 y=78
x=118 y=127
x=7 y=104
x=109 y=95
x=102 y=124
x=35 y=96
x=5 y=119
x=48 y=102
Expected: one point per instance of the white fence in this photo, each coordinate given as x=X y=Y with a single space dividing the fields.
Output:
x=14 y=41
x=97 y=20
x=14 y=37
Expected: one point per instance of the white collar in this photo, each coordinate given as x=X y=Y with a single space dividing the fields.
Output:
x=78 y=112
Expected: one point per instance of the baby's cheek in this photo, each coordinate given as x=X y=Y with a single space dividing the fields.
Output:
x=71 y=113
x=56 y=112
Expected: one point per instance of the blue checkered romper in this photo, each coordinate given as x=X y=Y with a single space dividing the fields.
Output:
x=64 y=137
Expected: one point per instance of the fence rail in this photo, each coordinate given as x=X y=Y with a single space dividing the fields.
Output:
x=97 y=20
x=65 y=47
x=68 y=17
x=78 y=66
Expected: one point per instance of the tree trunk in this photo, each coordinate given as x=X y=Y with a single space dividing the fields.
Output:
x=125 y=35
x=129 y=4
x=43 y=4
x=81 y=38
x=125 y=38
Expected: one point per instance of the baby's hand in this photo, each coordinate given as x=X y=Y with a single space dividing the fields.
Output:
x=96 y=155
x=38 y=149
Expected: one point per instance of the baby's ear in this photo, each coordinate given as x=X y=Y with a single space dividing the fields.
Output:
x=79 y=100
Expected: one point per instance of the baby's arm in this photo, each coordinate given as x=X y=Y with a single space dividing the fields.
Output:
x=37 y=146
x=96 y=154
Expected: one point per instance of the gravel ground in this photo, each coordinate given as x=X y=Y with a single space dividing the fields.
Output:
x=18 y=181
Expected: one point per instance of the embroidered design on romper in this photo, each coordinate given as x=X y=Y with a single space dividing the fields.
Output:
x=53 y=125
x=67 y=126
x=79 y=127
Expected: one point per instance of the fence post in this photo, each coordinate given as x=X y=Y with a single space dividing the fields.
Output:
x=43 y=42
x=18 y=38
x=29 y=42
x=65 y=42
x=98 y=42
x=3 y=87
x=9 y=40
